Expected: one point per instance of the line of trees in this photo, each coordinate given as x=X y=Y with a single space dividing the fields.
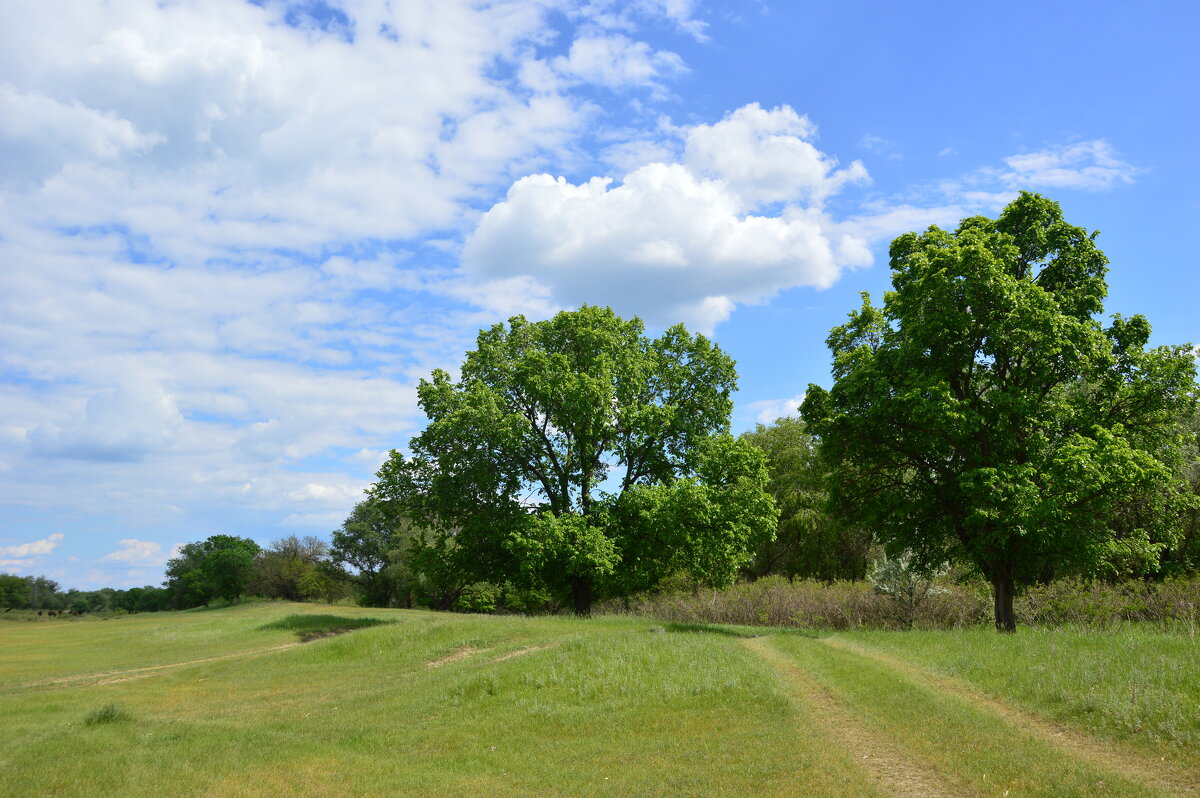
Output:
x=982 y=416
x=43 y=593
x=227 y=567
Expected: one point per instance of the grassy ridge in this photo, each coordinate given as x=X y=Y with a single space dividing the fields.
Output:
x=429 y=705
x=423 y=704
x=1138 y=684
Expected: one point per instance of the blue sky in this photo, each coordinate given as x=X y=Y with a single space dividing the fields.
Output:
x=234 y=235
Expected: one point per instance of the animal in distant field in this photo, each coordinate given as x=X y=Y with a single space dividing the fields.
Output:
x=39 y=613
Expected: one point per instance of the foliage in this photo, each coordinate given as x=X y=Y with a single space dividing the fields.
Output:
x=480 y=598
x=812 y=541
x=1183 y=556
x=297 y=570
x=219 y=567
x=14 y=592
x=396 y=561
x=42 y=593
x=905 y=583
x=1172 y=603
x=984 y=415
x=363 y=544
x=579 y=456
x=109 y=713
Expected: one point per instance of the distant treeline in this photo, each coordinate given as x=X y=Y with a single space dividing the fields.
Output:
x=42 y=593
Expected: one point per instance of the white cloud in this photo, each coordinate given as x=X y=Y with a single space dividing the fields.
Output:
x=1085 y=165
x=137 y=552
x=212 y=124
x=765 y=157
x=768 y=410
x=625 y=14
x=683 y=233
x=120 y=425
x=211 y=217
x=613 y=60
x=35 y=549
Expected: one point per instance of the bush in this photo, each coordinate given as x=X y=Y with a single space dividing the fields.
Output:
x=774 y=601
x=906 y=585
x=1093 y=603
x=109 y=713
x=478 y=598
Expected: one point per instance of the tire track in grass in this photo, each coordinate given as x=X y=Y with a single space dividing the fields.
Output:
x=893 y=772
x=1157 y=774
x=127 y=674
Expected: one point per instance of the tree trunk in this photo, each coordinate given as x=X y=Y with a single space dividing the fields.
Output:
x=581 y=594
x=1002 y=592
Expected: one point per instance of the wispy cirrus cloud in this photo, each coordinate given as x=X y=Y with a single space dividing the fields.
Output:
x=1084 y=165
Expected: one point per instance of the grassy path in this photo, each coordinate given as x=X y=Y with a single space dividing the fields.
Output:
x=919 y=733
x=891 y=770
x=1154 y=772
x=234 y=702
x=112 y=677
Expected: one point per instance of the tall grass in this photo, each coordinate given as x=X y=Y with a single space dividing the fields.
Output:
x=1139 y=683
x=774 y=601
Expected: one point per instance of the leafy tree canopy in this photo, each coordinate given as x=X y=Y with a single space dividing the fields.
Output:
x=580 y=455
x=811 y=542
x=983 y=413
x=220 y=566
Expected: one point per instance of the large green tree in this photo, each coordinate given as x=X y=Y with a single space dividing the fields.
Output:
x=578 y=455
x=985 y=414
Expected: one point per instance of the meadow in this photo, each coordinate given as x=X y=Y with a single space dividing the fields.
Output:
x=296 y=699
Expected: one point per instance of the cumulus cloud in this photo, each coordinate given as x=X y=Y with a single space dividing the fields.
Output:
x=211 y=219
x=685 y=234
x=136 y=552
x=35 y=549
x=1085 y=165
x=764 y=157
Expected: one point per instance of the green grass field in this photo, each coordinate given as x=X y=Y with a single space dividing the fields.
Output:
x=287 y=699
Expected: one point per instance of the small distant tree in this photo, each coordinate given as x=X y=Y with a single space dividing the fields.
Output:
x=291 y=569
x=44 y=594
x=364 y=545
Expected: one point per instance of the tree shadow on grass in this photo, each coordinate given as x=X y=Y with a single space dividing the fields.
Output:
x=311 y=627
x=731 y=630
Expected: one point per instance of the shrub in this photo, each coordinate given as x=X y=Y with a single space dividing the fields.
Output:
x=774 y=601
x=478 y=598
x=1094 y=603
x=109 y=713
x=907 y=586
